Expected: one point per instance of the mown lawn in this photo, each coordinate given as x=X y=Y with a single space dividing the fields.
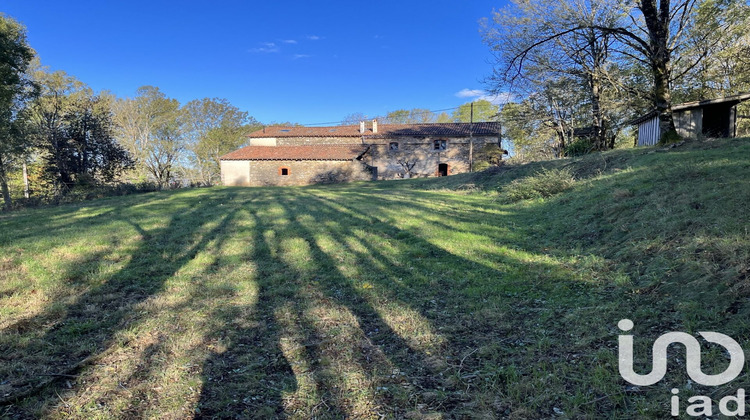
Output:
x=419 y=299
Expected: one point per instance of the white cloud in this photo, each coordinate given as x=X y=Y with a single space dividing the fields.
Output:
x=481 y=95
x=267 y=47
x=289 y=41
x=298 y=56
x=314 y=37
x=469 y=93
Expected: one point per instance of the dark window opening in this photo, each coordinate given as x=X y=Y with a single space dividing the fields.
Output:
x=283 y=171
x=443 y=169
x=439 y=144
x=393 y=145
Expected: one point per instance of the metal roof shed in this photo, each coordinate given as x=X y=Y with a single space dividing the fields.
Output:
x=709 y=118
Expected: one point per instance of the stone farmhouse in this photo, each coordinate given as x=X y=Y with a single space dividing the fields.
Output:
x=308 y=155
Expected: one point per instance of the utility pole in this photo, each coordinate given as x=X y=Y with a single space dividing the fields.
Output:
x=500 y=138
x=471 y=139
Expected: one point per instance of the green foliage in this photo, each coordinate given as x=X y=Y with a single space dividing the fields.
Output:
x=16 y=90
x=531 y=139
x=481 y=165
x=409 y=116
x=488 y=155
x=75 y=133
x=151 y=127
x=579 y=147
x=543 y=184
x=670 y=137
x=214 y=128
x=484 y=110
x=719 y=33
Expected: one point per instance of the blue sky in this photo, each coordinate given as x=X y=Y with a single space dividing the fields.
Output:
x=299 y=61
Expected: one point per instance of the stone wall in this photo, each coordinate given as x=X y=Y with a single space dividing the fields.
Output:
x=421 y=150
x=281 y=172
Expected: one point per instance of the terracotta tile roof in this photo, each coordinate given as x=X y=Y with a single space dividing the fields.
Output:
x=384 y=130
x=318 y=152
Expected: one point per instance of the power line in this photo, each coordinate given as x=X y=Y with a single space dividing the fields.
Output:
x=375 y=117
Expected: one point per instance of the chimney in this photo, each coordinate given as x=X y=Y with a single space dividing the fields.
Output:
x=374 y=126
x=362 y=127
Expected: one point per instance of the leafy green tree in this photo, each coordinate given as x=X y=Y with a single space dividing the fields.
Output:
x=488 y=155
x=721 y=33
x=16 y=90
x=58 y=92
x=443 y=117
x=530 y=137
x=214 y=127
x=91 y=148
x=410 y=116
x=484 y=110
x=151 y=127
x=74 y=132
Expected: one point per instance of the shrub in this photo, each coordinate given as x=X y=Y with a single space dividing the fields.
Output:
x=480 y=165
x=670 y=137
x=543 y=184
x=579 y=147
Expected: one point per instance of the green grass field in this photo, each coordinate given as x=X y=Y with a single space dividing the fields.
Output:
x=427 y=298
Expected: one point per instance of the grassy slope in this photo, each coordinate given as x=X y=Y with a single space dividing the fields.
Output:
x=421 y=298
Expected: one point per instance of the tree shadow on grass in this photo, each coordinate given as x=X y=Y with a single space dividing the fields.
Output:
x=363 y=330
x=305 y=316
x=361 y=312
x=41 y=352
x=250 y=377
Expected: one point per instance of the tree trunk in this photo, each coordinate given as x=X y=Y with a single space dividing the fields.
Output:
x=657 y=22
x=662 y=95
x=4 y=186
x=600 y=136
x=598 y=54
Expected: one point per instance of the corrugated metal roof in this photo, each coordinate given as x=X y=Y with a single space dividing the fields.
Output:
x=695 y=104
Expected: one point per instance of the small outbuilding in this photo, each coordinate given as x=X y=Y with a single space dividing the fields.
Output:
x=708 y=118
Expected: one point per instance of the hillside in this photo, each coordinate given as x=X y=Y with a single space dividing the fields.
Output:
x=426 y=298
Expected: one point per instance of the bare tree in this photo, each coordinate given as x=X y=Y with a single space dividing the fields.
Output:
x=151 y=128
x=650 y=32
x=540 y=56
x=407 y=163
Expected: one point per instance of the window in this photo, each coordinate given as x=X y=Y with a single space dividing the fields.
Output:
x=393 y=145
x=283 y=171
x=439 y=145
